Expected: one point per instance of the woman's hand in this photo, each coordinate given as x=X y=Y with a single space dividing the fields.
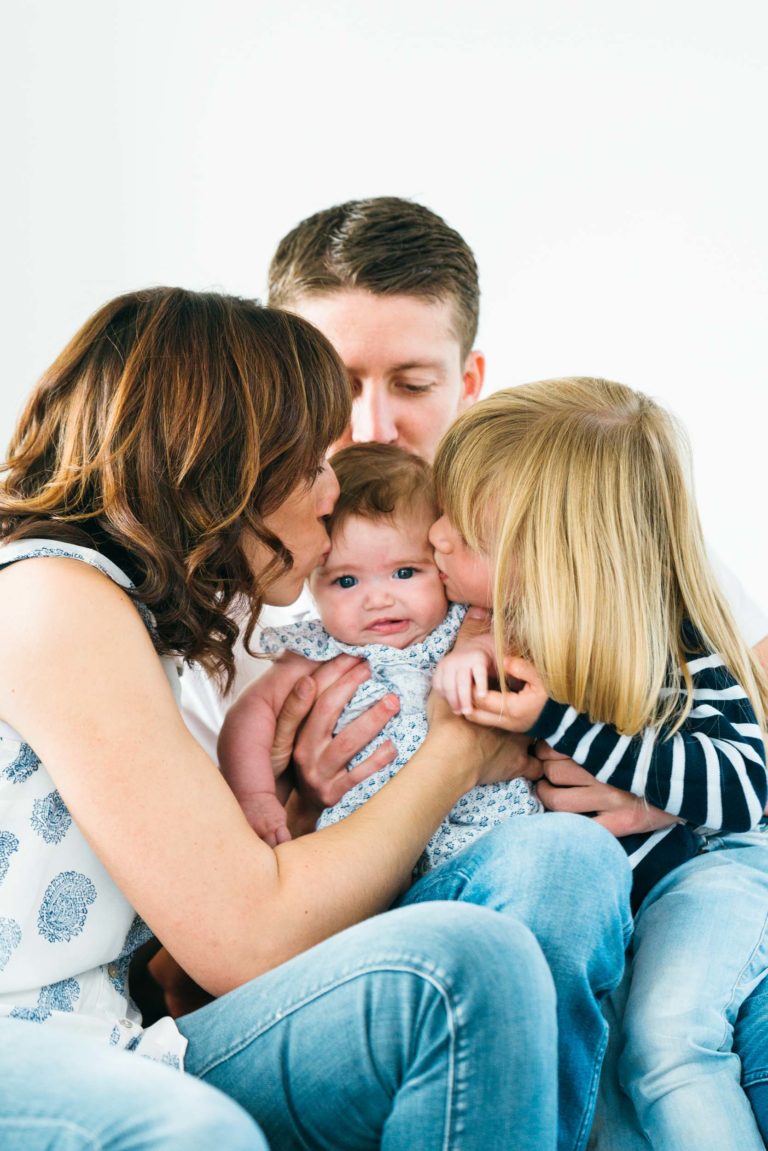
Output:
x=496 y=755
x=514 y=710
x=568 y=787
x=304 y=733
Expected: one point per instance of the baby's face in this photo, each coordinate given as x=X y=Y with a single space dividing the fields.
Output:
x=380 y=583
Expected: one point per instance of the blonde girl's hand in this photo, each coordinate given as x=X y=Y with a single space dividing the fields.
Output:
x=568 y=787
x=516 y=710
x=497 y=755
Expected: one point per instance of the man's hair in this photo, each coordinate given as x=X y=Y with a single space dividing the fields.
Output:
x=387 y=246
x=381 y=482
x=170 y=427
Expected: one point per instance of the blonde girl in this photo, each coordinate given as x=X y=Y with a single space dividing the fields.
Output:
x=568 y=511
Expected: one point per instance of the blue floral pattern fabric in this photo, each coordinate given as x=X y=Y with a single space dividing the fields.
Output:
x=408 y=673
x=67 y=933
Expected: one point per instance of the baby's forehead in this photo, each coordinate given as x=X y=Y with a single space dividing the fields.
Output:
x=405 y=528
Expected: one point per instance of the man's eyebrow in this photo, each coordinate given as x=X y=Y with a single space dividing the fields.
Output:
x=423 y=365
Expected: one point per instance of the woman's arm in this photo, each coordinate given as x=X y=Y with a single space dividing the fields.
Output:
x=82 y=683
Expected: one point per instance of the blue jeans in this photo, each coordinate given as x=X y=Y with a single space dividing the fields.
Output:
x=673 y=1077
x=751 y=1042
x=429 y=1027
x=567 y=879
x=59 y=1093
x=434 y=1025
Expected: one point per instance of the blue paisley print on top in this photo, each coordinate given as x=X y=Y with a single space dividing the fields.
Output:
x=8 y=844
x=10 y=938
x=65 y=906
x=66 y=929
x=61 y=996
x=23 y=766
x=50 y=818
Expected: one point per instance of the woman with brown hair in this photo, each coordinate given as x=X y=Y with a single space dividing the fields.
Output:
x=167 y=478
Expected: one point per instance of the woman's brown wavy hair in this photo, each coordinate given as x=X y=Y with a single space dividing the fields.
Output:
x=170 y=424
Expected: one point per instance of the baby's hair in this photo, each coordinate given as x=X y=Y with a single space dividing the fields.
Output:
x=580 y=491
x=381 y=482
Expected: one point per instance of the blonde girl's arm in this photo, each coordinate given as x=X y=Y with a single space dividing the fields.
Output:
x=711 y=773
x=83 y=685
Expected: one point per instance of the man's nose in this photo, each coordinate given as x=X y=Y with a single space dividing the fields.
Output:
x=373 y=420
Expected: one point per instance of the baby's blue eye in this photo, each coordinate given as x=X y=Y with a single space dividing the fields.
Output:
x=346 y=581
x=405 y=573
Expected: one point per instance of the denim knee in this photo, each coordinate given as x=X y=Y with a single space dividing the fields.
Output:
x=206 y=1118
x=466 y=949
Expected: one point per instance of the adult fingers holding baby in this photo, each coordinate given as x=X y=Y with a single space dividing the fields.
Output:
x=567 y=787
x=305 y=733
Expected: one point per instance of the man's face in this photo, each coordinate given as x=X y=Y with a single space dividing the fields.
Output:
x=409 y=380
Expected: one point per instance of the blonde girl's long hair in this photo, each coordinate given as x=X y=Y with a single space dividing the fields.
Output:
x=579 y=490
x=171 y=424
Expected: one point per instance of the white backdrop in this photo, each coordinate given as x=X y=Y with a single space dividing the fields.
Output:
x=605 y=159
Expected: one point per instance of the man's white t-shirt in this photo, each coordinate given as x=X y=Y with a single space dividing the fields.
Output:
x=203 y=706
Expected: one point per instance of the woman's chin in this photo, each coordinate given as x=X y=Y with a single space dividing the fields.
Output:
x=280 y=595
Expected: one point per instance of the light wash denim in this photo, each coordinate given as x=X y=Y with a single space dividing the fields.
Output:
x=60 y=1092
x=430 y=1027
x=751 y=1042
x=567 y=879
x=673 y=1072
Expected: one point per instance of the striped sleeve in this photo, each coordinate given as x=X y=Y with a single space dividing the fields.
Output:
x=710 y=773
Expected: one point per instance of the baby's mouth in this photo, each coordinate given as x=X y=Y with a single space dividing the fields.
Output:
x=388 y=626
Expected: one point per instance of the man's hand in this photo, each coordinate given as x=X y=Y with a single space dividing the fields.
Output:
x=181 y=993
x=568 y=787
x=305 y=731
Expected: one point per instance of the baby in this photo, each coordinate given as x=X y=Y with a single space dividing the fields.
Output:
x=380 y=597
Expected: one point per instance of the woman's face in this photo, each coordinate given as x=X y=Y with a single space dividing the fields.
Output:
x=466 y=574
x=298 y=524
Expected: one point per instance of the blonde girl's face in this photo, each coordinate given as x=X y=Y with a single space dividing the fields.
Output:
x=466 y=574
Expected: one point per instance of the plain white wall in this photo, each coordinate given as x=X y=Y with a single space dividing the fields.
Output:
x=606 y=161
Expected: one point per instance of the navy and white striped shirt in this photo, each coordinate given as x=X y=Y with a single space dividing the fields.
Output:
x=711 y=773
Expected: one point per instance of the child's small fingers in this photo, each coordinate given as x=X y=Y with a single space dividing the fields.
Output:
x=465 y=693
x=485 y=718
x=481 y=680
x=282 y=835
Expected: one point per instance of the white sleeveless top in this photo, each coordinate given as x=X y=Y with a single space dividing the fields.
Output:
x=67 y=933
